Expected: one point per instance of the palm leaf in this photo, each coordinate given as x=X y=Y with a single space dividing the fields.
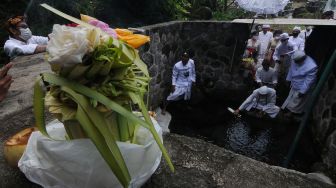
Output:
x=94 y=125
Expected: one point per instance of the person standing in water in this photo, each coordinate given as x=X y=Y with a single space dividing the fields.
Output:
x=183 y=78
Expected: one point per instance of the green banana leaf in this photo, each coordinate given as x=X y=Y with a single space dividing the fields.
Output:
x=112 y=155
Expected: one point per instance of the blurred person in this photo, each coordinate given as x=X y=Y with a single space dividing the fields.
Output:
x=306 y=32
x=266 y=76
x=183 y=77
x=253 y=45
x=283 y=53
x=296 y=40
x=265 y=37
x=273 y=44
x=263 y=100
x=21 y=41
x=302 y=76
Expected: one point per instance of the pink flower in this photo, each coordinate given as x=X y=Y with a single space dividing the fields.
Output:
x=104 y=27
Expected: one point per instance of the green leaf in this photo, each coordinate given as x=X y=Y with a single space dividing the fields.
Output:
x=68 y=17
x=54 y=79
x=77 y=72
x=123 y=128
x=140 y=64
x=38 y=103
x=95 y=127
x=137 y=100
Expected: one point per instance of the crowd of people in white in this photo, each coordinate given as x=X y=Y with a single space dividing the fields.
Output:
x=275 y=54
x=278 y=54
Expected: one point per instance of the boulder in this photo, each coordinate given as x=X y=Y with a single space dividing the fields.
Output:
x=201 y=164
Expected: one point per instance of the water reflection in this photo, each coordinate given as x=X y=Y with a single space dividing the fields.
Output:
x=266 y=141
x=242 y=139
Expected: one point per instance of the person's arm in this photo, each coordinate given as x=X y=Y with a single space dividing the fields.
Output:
x=309 y=80
x=276 y=55
x=174 y=77
x=5 y=81
x=289 y=74
x=40 y=48
x=193 y=72
x=40 y=40
x=13 y=49
x=248 y=101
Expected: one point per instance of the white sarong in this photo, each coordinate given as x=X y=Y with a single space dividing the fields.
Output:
x=181 y=92
x=294 y=103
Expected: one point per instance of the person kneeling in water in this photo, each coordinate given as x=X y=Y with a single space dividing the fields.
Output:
x=263 y=99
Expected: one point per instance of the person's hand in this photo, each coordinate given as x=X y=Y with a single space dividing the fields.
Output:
x=5 y=81
x=173 y=89
x=40 y=48
x=301 y=95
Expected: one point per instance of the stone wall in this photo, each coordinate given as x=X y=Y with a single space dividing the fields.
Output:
x=324 y=115
x=324 y=127
x=216 y=48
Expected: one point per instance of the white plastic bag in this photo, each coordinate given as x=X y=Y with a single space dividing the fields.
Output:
x=77 y=163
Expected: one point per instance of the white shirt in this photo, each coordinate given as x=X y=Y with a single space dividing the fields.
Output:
x=284 y=50
x=264 y=40
x=253 y=44
x=184 y=75
x=268 y=77
x=305 y=34
x=256 y=99
x=302 y=77
x=298 y=42
x=14 y=47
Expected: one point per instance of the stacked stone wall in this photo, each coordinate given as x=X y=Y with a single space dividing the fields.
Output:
x=216 y=48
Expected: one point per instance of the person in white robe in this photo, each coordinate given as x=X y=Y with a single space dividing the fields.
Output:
x=302 y=76
x=183 y=78
x=306 y=32
x=296 y=40
x=253 y=45
x=283 y=53
x=263 y=99
x=266 y=76
x=265 y=37
x=21 y=41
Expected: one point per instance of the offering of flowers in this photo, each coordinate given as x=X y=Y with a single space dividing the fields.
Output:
x=97 y=83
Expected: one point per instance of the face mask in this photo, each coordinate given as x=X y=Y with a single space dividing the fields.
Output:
x=26 y=34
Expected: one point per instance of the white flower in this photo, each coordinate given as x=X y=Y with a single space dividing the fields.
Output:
x=68 y=45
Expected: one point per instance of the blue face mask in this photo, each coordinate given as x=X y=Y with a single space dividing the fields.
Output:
x=26 y=34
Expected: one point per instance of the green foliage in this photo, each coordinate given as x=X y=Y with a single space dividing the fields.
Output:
x=230 y=14
x=179 y=9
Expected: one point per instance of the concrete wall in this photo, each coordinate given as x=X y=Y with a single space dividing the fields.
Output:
x=210 y=44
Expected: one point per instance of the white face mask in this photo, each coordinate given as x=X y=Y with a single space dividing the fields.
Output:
x=26 y=34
